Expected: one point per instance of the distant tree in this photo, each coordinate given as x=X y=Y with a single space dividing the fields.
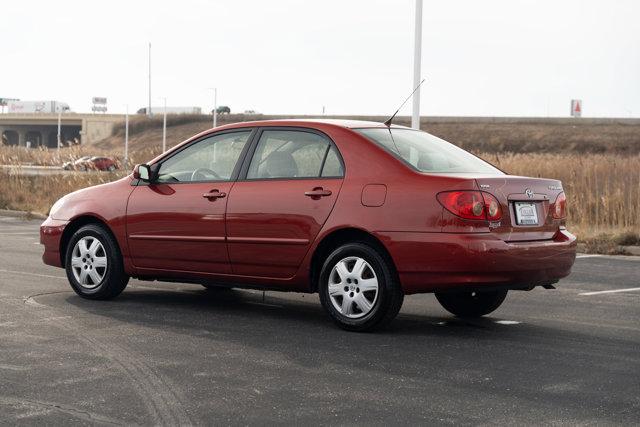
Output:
x=223 y=109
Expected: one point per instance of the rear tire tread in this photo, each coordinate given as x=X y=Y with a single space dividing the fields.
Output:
x=465 y=304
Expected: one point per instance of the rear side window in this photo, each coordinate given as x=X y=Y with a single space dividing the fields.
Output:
x=332 y=164
x=427 y=153
x=293 y=154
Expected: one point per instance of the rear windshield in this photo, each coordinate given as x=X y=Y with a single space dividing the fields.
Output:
x=427 y=153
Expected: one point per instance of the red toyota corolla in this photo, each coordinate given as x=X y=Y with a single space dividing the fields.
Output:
x=359 y=212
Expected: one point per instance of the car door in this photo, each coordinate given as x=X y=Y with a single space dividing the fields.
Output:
x=177 y=222
x=286 y=192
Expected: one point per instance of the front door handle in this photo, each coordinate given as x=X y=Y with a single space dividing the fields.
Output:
x=214 y=194
x=317 y=192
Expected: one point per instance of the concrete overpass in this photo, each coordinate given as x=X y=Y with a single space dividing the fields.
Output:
x=42 y=129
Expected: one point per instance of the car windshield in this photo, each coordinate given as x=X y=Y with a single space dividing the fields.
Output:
x=427 y=153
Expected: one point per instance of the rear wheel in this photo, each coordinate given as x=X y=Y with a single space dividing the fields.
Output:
x=94 y=264
x=359 y=289
x=472 y=303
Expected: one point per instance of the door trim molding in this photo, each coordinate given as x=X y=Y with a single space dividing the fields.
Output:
x=254 y=240
x=177 y=238
x=268 y=240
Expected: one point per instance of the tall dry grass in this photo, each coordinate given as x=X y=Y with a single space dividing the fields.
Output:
x=603 y=191
x=38 y=193
x=41 y=156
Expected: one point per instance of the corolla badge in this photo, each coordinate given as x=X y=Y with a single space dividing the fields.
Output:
x=529 y=193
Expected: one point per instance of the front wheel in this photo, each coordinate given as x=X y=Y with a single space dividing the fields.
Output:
x=358 y=288
x=94 y=264
x=471 y=303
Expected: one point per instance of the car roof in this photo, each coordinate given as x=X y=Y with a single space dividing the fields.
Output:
x=310 y=122
x=303 y=122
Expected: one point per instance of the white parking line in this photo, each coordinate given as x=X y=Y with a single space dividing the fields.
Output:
x=19 y=233
x=588 y=256
x=22 y=273
x=614 y=291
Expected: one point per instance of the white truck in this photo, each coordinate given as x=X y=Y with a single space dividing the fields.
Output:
x=172 y=110
x=36 y=106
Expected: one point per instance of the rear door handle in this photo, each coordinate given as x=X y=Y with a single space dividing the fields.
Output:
x=214 y=194
x=317 y=192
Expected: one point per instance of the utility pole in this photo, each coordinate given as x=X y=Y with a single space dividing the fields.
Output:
x=417 y=58
x=215 y=107
x=59 y=127
x=149 y=113
x=164 y=127
x=126 y=138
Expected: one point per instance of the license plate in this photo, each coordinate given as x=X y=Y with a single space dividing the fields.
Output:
x=526 y=213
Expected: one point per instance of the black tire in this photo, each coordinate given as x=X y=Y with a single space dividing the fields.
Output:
x=114 y=278
x=471 y=304
x=389 y=298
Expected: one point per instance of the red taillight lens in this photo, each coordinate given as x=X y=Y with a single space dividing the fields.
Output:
x=492 y=206
x=471 y=204
x=559 y=208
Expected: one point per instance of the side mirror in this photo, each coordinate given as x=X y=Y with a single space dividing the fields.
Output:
x=142 y=172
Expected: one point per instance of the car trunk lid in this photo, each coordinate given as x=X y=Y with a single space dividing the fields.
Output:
x=525 y=203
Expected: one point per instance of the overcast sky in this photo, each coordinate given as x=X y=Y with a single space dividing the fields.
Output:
x=485 y=58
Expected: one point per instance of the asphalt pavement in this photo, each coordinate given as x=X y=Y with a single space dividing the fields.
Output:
x=170 y=354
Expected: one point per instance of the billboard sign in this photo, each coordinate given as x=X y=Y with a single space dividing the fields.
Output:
x=576 y=107
x=98 y=100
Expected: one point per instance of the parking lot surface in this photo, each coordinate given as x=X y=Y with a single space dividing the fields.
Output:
x=179 y=354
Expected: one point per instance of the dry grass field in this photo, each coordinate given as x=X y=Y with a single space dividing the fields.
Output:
x=601 y=175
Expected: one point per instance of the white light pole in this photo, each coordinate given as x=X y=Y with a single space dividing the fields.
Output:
x=417 y=58
x=164 y=127
x=59 y=127
x=61 y=110
x=149 y=113
x=215 y=105
x=126 y=138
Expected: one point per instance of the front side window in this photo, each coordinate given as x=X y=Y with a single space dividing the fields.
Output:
x=211 y=159
x=292 y=154
x=427 y=153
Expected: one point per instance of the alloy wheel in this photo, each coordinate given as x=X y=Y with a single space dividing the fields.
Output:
x=89 y=262
x=353 y=287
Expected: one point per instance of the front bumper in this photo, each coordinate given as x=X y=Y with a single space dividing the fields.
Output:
x=428 y=262
x=51 y=232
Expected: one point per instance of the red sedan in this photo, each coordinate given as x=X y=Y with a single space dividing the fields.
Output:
x=87 y=163
x=359 y=212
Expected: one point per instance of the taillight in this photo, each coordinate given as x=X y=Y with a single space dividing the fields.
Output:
x=559 y=208
x=494 y=212
x=471 y=204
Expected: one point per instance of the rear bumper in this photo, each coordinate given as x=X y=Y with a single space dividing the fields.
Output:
x=428 y=262
x=50 y=235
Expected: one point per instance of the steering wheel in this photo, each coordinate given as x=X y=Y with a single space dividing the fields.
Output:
x=203 y=172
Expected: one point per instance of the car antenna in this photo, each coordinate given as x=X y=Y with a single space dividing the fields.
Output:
x=387 y=122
